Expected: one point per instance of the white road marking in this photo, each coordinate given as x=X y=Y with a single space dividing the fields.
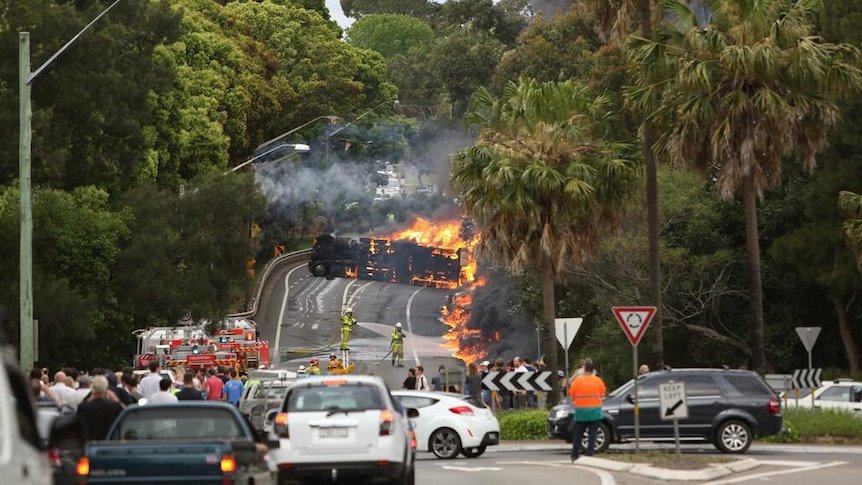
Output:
x=410 y=327
x=605 y=478
x=758 y=476
x=466 y=469
x=281 y=318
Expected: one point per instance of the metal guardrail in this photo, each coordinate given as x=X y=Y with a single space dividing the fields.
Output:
x=270 y=266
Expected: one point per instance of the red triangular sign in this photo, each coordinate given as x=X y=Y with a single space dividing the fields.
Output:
x=634 y=320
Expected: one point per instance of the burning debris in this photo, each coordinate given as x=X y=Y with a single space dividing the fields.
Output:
x=435 y=254
x=427 y=254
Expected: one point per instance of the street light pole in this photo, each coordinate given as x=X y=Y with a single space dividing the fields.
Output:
x=25 y=80
x=393 y=102
x=297 y=147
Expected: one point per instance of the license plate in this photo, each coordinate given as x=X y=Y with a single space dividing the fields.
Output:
x=332 y=432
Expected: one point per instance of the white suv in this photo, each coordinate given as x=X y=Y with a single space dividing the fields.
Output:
x=840 y=394
x=342 y=428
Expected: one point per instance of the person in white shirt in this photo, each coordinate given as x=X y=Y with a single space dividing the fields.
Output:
x=164 y=395
x=149 y=385
x=64 y=393
x=421 y=380
x=83 y=390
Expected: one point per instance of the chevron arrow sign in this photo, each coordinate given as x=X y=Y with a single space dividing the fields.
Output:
x=518 y=381
x=806 y=378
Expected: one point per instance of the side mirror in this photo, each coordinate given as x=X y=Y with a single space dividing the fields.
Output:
x=412 y=413
x=630 y=398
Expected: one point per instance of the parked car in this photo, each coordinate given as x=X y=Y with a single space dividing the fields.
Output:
x=261 y=399
x=728 y=408
x=183 y=442
x=346 y=428
x=449 y=424
x=840 y=394
x=22 y=457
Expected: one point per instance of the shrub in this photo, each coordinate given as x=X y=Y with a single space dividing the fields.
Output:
x=523 y=425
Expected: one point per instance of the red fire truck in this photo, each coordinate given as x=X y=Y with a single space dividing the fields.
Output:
x=237 y=346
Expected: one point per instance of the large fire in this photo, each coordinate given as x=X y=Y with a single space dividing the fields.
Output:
x=466 y=343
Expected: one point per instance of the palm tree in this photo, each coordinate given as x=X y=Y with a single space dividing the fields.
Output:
x=738 y=86
x=614 y=19
x=543 y=180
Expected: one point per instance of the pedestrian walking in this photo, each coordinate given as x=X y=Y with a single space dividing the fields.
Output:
x=233 y=389
x=587 y=392
x=189 y=392
x=410 y=381
x=149 y=385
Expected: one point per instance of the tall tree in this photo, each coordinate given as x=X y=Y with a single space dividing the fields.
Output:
x=740 y=89
x=615 y=19
x=543 y=180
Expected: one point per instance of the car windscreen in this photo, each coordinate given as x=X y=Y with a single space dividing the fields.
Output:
x=474 y=401
x=343 y=398
x=156 y=423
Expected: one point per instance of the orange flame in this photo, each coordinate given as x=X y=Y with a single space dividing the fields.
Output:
x=467 y=343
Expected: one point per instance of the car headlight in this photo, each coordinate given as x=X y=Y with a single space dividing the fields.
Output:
x=561 y=413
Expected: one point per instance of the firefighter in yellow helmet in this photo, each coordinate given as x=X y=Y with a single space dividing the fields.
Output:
x=347 y=324
x=397 y=345
x=334 y=363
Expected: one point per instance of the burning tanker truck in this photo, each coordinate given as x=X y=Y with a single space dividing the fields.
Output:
x=381 y=259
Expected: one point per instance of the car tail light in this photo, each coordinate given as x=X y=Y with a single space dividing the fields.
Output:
x=462 y=410
x=774 y=406
x=228 y=464
x=385 y=422
x=83 y=467
x=54 y=457
x=279 y=425
x=413 y=439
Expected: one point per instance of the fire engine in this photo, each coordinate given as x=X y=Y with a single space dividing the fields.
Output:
x=236 y=346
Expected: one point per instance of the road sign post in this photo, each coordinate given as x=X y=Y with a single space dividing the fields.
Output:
x=672 y=405
x=566 y=329
x=808 y=336
x=634 y=320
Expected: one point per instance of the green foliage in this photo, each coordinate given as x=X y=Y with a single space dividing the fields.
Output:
x=805 y=425
x=523 y=425
x=390 y=35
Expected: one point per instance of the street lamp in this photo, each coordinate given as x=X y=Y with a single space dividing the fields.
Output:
x=393 y=102
x=25 y=79
x=297 y=147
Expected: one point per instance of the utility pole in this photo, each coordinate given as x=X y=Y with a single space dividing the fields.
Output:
x=25 y=80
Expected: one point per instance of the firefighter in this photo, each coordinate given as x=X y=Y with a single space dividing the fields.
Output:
x=313 y=369
x=334 y=363
x=396 y=346
x=347 y=324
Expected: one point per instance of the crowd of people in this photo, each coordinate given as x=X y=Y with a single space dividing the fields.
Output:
x=98 y=396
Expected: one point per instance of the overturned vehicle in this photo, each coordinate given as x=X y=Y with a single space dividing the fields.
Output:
x=380 y=259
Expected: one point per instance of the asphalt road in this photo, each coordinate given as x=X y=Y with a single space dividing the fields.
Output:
x=529 y=462
x=299 y=315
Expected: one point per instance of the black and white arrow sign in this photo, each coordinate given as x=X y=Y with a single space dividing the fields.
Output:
x=518 y=381
x=806 y=378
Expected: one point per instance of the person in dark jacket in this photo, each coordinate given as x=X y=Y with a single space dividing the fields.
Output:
x=98 y=412
x=188 y=392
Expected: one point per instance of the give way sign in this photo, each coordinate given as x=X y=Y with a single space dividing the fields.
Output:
x=634 y=320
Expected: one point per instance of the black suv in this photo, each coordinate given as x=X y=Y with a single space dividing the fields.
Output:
x=728 y=408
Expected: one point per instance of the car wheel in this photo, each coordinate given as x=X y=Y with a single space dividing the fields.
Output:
x=445 y=443
x=603 y=439
x=319 y=269
x=473 y=452
x=733 y=437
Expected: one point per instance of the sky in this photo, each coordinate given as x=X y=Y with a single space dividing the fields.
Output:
x=335 y=13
